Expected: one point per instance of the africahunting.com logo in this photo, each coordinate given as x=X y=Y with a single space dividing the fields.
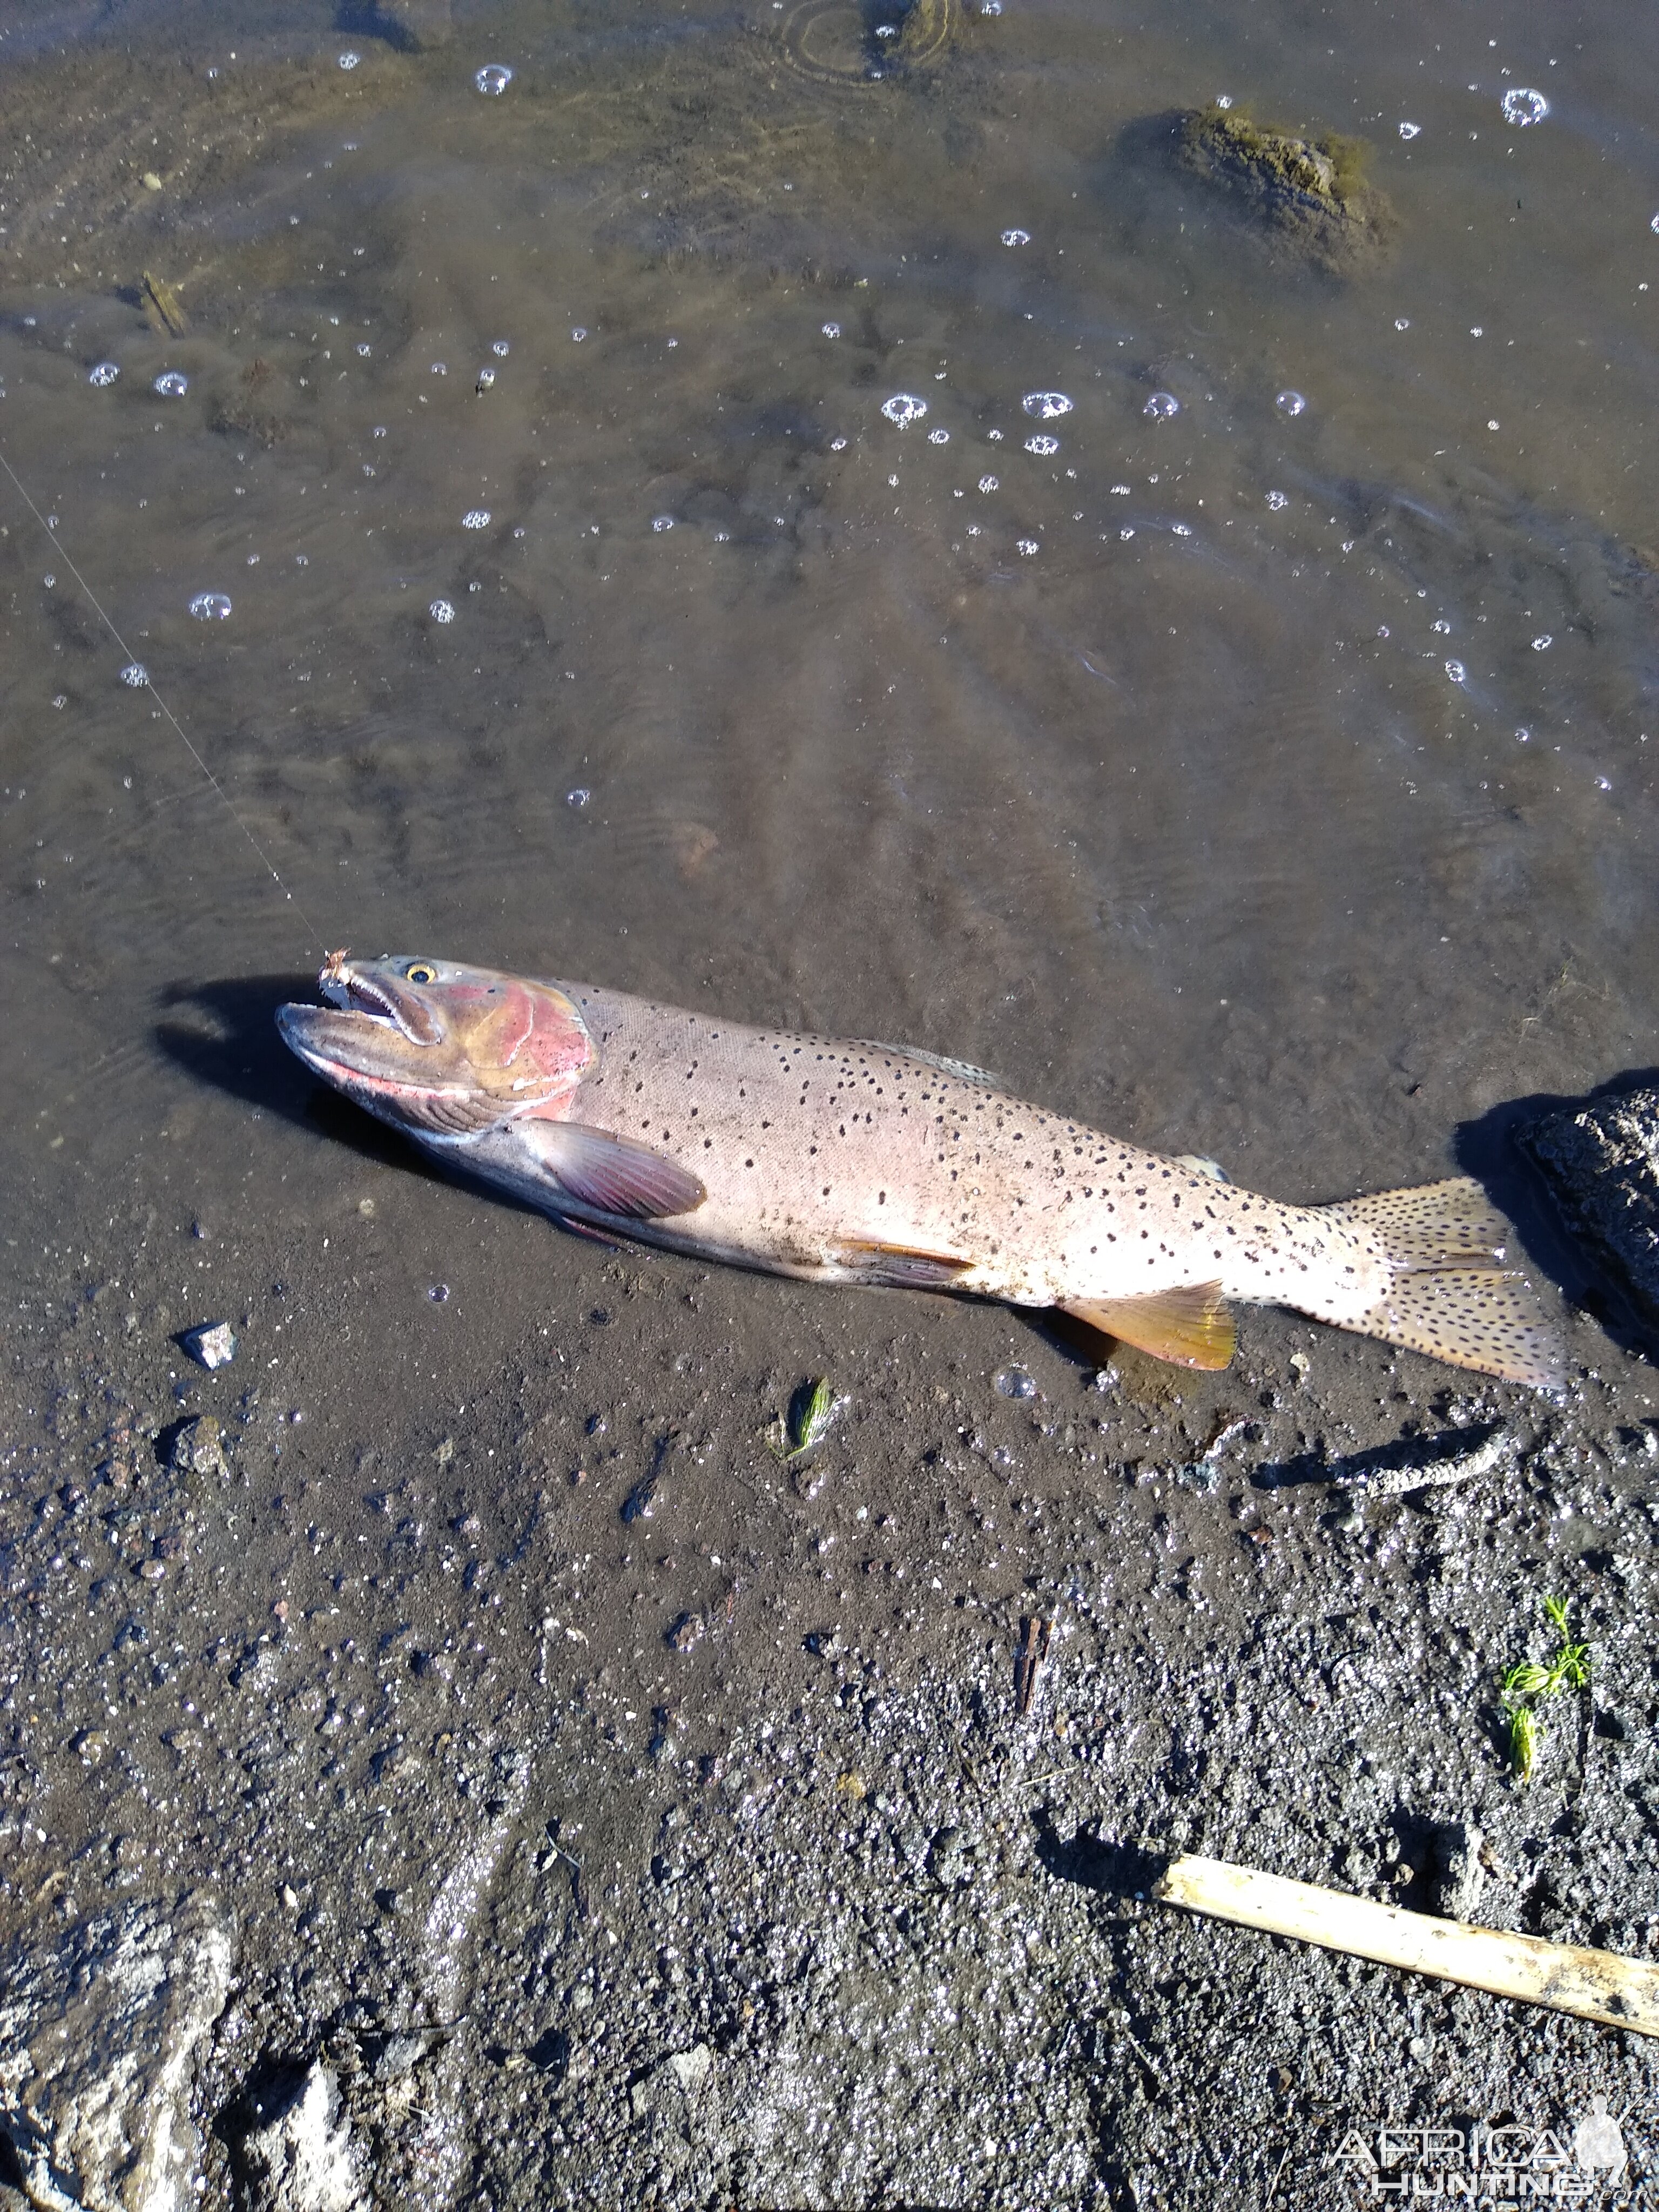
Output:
x=1483 y=2165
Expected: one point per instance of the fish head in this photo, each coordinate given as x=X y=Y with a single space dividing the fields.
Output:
x=438 y=1049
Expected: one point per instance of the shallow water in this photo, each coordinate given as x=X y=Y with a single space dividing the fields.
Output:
x=1134 y=770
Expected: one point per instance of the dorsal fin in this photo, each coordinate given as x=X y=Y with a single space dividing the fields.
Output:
x=1190 y=1326
x=963 y=1070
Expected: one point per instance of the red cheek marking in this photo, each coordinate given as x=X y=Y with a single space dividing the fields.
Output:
x=558 y=1045
x=502 y=1035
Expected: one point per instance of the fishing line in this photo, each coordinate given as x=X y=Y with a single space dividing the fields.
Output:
x=132 y=661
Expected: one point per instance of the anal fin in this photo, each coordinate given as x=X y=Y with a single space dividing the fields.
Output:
x=900 y=1266
x=1190 y=1326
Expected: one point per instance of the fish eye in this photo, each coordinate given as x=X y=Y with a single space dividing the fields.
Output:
x=418 y=972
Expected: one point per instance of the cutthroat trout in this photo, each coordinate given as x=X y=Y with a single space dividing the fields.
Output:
x=860 y=1162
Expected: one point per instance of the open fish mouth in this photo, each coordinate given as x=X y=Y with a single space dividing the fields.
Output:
x=377 y=998
x=355 y=995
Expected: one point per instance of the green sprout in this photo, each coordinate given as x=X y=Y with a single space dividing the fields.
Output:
x=1570 y=1668
x=1528 y=1682
x=811 y=1410
x=1523 y=1740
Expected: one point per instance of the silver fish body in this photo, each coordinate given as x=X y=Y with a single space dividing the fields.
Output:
x=863 y=1162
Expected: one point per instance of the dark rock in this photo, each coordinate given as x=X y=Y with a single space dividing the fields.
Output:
x=1310 y=194
x=1600 y=1164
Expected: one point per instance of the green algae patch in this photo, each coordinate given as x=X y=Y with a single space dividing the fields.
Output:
x=1307 y=194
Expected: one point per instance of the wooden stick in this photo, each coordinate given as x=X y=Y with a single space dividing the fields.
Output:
x=1595 y=1984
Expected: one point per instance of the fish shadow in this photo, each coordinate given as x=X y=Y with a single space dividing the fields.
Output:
x=224 y=1033
x=1489 y=1149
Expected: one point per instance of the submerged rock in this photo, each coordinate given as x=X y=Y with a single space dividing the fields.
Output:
x=1310 y=194
x=1601 y=1163
x=98 y=2038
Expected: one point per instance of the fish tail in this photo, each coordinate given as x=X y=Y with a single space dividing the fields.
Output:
x=1451 y=1295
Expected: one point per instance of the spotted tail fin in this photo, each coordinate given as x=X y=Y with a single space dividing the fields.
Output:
x=1452 y=1296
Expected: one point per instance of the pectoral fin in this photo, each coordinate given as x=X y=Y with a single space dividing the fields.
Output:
x=611 y=1174
x=1190 y=1326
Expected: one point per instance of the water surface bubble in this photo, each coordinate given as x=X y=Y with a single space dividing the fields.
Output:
x=1523 y=107
x=209 y=606
x=379 y=430
x=494 y=79
x=486 y=380
x=1456 y=669
x=938 y=437
x=440 y=368
x=501 y=349
x=475 y=517
x=105 y=372
x=172 y=384
x=1028 y=546
x=1161 y=406
x=1402 y=322
x=442 y=612
x=1411 y=131
x=1013 y=1382
x=1654 y=225
x=987 y=483
x=1602 y=783
x=832 y=330
x=1542 y=644
x=662 y=522
x=1015 y=237
x=578 y=797
x=350 y=61
x=1442 y=629
x=838 y=445
x=1290 y=403
x=1043 y=444
x=578 y=335
x=903 y=408
x=135 y=676
x=1046 y=406
x=1278 y=499
x=438 y=1294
